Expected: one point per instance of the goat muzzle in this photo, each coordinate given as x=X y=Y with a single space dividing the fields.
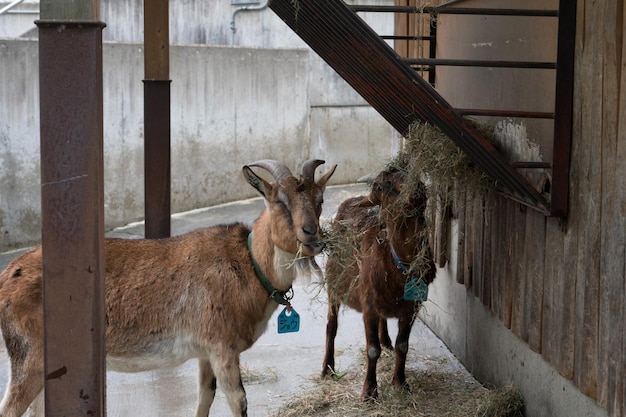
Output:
x=311 y=248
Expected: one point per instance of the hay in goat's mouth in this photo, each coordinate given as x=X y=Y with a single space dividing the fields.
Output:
x=434 y=392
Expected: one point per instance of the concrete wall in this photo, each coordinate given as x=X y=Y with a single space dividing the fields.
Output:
x=219 y=22
x=19 y=144
x=19 y=19
x=237 y=96
x=230 y=106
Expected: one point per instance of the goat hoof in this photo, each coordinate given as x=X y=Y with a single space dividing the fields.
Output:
x=369 y=394
x=329 y=373
x=401 y=385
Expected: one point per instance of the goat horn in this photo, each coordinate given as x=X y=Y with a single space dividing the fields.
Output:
x=276 y=168
x=309 y=167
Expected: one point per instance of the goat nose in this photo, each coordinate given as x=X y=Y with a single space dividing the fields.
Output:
x=310 y=229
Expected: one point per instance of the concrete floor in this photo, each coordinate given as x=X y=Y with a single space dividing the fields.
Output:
x=278 y=366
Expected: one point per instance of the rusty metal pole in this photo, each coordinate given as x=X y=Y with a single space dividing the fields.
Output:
x=157 y=171
x=72 y=190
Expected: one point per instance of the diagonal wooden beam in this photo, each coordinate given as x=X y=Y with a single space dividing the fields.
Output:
x=390 y=86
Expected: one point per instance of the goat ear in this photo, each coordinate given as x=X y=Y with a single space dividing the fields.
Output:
x=324 y=179
x=257 y=182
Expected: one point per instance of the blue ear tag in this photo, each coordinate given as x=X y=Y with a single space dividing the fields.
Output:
x=288 y=321
x=416 y=290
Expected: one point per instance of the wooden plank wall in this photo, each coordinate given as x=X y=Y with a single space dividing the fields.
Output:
x=561 y=286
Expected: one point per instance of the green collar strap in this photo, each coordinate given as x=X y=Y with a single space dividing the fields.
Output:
x=280 y=297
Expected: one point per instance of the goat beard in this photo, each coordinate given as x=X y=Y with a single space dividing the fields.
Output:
x=306 y=267
x=309 y=270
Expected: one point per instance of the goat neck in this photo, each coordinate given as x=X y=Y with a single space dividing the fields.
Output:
x=279 y=266
x=402 y=210
x=405 y=235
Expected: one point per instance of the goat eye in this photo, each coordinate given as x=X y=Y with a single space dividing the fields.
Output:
x=282 y=198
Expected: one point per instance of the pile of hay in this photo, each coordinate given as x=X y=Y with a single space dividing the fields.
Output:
x=435 y=393
x=430 y=156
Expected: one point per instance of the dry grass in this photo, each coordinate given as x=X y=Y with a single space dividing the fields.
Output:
x=435 y=392
x=343 y=242
x=430 y=156
x=258 y=376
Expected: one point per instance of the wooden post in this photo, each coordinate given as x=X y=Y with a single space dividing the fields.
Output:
x=157 y=171
x=72 y=190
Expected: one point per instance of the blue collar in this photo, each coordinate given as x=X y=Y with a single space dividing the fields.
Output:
x=400 y=264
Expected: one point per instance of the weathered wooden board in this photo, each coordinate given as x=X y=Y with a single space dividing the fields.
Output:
x=557 y=301
x=611 y=294
x=459 y=214
x=487 y=253
x=518 y=271
x=617 y=401
x=441 y=222
x=507 y=285
x=498 y=258
x=477 y=246
x=401 y=28
x=534 y=254
x=589 y=112
x=469 y=242
x=612 y=267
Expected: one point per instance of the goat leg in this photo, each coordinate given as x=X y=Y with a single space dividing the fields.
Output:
x=228 y=373
x=26 y=372
x=328 y=367
x=20 y=393
x=405 y=324
x=206 y=388
x=383 y=334
x=370 y=387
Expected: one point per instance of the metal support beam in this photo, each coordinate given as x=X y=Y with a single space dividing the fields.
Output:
x=563 y=108
x=157 y=171
x=72 y=190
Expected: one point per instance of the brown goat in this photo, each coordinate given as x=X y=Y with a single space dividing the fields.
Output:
x=372 y=278
x=191 y=296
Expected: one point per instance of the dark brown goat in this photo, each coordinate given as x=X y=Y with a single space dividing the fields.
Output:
x=378 y=276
